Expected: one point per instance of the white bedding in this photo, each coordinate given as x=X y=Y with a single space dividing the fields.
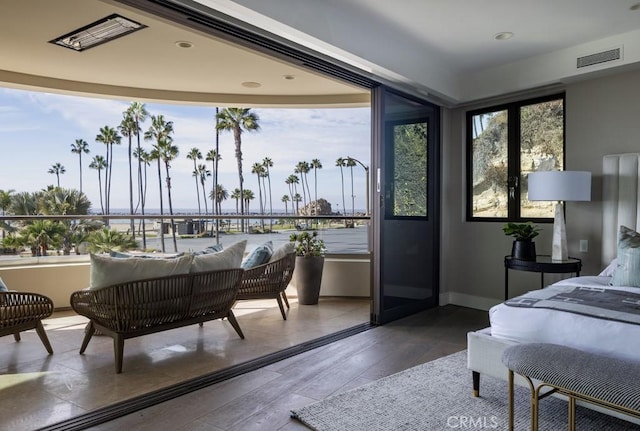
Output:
x=569 y=329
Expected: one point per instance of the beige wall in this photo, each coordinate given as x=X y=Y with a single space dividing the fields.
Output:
x=603 y=117
x=57 y=281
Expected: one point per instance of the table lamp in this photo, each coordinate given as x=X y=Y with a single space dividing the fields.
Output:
x=559 y=186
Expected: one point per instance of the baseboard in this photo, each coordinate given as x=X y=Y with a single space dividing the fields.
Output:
x=470 y=301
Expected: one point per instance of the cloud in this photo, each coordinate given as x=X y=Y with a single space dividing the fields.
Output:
x=45 y=125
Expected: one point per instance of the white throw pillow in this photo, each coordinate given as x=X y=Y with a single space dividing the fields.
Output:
x=610 y=269
x=228 y=258
x=282 y=251
x=107 y=271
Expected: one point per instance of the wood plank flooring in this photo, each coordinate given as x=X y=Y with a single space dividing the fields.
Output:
x=262 y=399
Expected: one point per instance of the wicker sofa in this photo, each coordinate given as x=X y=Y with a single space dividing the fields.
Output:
x=136 y=308
x=22 y=311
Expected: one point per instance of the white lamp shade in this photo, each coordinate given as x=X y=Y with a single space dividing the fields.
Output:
x=559 y=186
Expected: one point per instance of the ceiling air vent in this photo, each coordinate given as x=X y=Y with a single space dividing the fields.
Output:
x=600 y=57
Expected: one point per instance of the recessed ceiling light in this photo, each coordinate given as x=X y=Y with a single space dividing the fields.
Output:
x=503 y=35
x=635 y=6
x=184 y=44
x=289 y=77
x=251 y=84
x=97 y=33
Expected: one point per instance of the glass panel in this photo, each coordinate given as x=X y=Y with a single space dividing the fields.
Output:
x=410 y=170
x=489 y=157
x=541 y=149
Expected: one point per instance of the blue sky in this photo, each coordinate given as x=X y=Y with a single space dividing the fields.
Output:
x=37 y=130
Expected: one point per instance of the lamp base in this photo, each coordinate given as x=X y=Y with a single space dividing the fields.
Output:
x=559 y=247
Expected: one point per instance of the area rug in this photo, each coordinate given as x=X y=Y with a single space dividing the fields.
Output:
x=437 y=396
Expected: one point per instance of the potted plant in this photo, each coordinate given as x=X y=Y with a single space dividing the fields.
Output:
x=523 y=246
x=309 y=264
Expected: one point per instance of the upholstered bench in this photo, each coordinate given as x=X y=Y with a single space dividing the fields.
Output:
x=608 y=382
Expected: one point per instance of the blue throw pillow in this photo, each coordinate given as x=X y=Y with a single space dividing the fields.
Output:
x=216 y=248
x=3 y=287
x=258 y=256
x=628 y=261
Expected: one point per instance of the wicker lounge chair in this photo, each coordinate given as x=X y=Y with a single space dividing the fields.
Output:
x=22 y=311
x=269 y=281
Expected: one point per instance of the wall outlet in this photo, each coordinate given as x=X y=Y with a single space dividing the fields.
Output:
x=584 y=245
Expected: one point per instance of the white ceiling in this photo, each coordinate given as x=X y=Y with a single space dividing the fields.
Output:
x=147 y=64
x=447 y=47
x=444 y=49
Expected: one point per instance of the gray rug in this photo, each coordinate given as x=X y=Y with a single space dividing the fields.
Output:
x=437 y=396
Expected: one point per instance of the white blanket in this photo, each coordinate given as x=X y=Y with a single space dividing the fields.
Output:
x=570 y=329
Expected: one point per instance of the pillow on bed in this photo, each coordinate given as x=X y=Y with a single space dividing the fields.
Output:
x=627 y=271
x=610 y=270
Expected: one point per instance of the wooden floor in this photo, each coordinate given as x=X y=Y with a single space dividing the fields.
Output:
x=38 y=390
x=262 y=399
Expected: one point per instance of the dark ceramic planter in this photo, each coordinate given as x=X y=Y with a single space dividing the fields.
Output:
x=308 y=277
x=524 y=250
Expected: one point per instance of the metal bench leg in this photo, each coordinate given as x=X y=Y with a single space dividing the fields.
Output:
x=572 y=414
x=511 y=407
x=16 y=336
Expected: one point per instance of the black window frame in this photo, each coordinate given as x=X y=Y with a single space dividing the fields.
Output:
x=513 y=157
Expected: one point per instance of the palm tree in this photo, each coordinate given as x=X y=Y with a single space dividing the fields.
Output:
x=315 y=164
x=57 y=169
x=59 y=201
x=108 y=136
x=222 y=195
x=299 y=169
x=237 y=195
x=159 y=131
x=168 y=153
x=213 y=157
x=203 y=173
x=350 y=163
x=144 y=160
x=79 y=147
x=41 y=234
x=139 y=114
x=128 y=128
x=238 y=120
x=291 y=181
x=259 y=170
x=195 y=155
x=248 y=196
x=297 y=199
x=341 y=162
x=107 y=240
x=5 y=203
x=268 y=163
x=99 y=163
x=285 y=199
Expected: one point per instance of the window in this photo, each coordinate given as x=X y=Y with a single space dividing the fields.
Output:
x=506 y=143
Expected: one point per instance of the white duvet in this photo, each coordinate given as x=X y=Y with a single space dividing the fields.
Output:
x=569 y=329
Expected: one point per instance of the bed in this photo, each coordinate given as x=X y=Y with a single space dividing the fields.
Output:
x=511 y=325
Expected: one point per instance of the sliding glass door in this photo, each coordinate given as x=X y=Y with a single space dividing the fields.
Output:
x=405 y=214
